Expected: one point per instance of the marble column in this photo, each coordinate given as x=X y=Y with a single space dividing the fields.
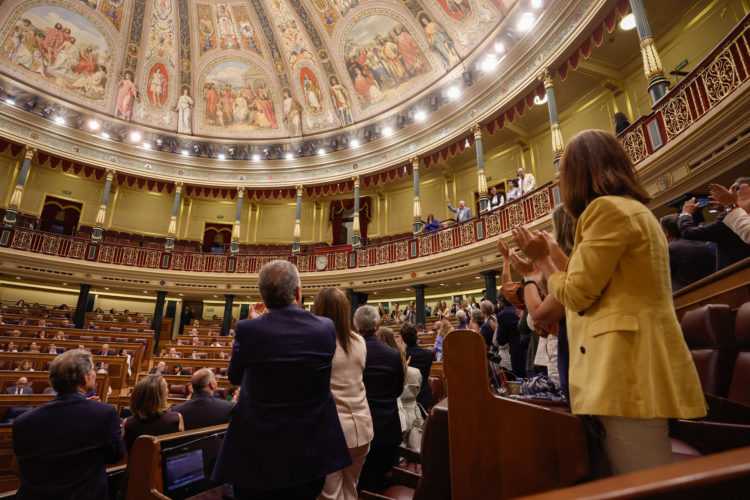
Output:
x=490 y=285
x=98 y=232
x=356 y=234
x=419 y=303
x=226 y=323
x=11 y=214
x=417 y=205
x=158 y=315
x=657 y=82
x=296 y=234
x=79 y=317
x=554 y=118
x=237 y=221
x=172 y=230
x=481 y=179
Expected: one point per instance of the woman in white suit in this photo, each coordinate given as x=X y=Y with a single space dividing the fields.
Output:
x=348 y=392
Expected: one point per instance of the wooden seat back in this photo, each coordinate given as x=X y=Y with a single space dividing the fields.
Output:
x=499 y=447
x=117 y=369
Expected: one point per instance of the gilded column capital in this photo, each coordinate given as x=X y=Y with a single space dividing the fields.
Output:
x=178 y=187
x=477 y=130
x=240 y=191
x=356 y=181
x=299 y=188
x=29 y=152
x=414 y=162
x=111 y=174
x=547 y=77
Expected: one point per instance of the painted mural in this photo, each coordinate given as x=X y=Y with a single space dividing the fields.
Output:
x=297 y=48
x=111 y=9
x=383 y=59
x=161 y=37
x=250 y=40
x=459 y=10
x=440 y=41
x=60 y=47
x=236 y=98
x=206 y=29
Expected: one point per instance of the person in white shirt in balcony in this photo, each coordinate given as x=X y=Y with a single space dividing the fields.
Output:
x=496 y=199
x=737 y=200
x=526 y=182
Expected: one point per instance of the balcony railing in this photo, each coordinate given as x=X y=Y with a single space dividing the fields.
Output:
x=536 y=205
x=717 y=77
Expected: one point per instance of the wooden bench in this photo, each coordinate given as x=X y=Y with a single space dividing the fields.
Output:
x=117 y=369
x=187 y=340
x=39 y=381
x=206 y=351
x=145 y=463
x=216 y=364
x=730 y=285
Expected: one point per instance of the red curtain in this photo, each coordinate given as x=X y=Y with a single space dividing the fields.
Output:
x=338 y=207
x=213 y=232
x=52 y=208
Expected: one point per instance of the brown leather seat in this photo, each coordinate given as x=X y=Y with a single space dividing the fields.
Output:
x=436 y=388
x=187 y=370
x=89 y=338
x=739 y=387
x=177 y=390
x=104 y=338
x=115 y=329
x=121 y=340
x=708 y=333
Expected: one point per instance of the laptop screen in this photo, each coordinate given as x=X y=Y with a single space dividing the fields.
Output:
x=183 y=469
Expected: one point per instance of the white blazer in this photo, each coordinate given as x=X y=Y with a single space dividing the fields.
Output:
x=349 y=392
x=739 y=221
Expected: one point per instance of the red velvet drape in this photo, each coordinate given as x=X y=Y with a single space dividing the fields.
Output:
x=213 y=231
x=338 y=207
x=52 y=207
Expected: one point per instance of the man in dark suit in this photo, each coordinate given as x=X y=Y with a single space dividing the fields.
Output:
x=284 y=436
x=105 y=350
x=63 y=446
x=203 y=409
x=384 y=381
x=20 y=387
x=689 y=261
x=421 y=359
x=729 y=247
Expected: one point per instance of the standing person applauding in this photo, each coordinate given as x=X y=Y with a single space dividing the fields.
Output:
x=629 y=365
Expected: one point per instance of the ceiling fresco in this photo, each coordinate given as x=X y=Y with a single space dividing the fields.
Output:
x=250 y=69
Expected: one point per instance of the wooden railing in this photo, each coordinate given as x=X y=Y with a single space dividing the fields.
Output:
x=717 y=77
x=532 y=207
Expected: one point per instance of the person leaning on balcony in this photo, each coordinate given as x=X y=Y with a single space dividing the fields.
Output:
x=621 y=123
x=737 y=198
x=431 y=224
x=729 y=246
x=629 y=364
x=512 y=190
x=463 y=213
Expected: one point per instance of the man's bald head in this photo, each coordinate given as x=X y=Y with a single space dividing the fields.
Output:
x=204 y=380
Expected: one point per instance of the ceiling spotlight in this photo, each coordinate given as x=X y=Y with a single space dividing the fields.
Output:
x=499 y=47
x=434 y=103
x=300 y=151
x=289 y=156
x=400 y=121
x=173 y=146
x=185 y=152
x=196 y=150
x=93 y=124
x=334 y=144
x=468 y=79
x=221 y=156
x=628 y=22
x=453 y=92
x=10 y=101
x=60 y=120
x=105 y=135
x=368 y=135
x=387 y=131
x=30 y=103
x=278 y=152
x=536 y=3
x=48 y=110
x=489 y=63
x=146 y=145
x=256 y=157
x=354 y=143
x=243 y=153
x=526 y=21
x=420 y=115
x=266 y=153
x=540 y=100
x=321 y=151
x=135 y=136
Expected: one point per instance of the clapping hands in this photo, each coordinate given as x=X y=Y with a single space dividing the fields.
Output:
x=258 y=309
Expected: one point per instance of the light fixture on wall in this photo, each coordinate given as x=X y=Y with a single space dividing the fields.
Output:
x=627 y=23
x=93 y=125
x=525 y=22
x=540 y=100
x=256 y=157
x=159 y=143
x=434 y=103
x=135 y=136
x=30 y=103
x=354 y=143
x=334 y=144
x=233 y=152
x=420 y=115
x=453 y=92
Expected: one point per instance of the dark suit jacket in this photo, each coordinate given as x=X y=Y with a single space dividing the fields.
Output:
x=12 y=390
x=63 y=447
x=204 y=410
x=384 y=383
x=689 y=261
x=285 y=430
x=729 y=247
x=421 y=359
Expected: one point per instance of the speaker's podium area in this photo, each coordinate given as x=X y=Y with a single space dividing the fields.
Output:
x=156 y=155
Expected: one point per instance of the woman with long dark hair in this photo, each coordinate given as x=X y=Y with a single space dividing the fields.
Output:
x=348 y=391
x=629 y=364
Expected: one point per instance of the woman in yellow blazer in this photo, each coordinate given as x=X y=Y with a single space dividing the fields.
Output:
x=629 y=364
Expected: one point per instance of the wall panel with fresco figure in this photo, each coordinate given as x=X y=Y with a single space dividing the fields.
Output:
x=385 y=59
x=237 y=98
x=59 y=47
x=468 y=22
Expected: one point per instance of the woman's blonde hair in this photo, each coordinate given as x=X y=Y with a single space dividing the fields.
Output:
x=445 y=327
x=386 y=336
x=149 y=397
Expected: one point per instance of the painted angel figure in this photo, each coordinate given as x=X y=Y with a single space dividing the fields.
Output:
x=184 y=113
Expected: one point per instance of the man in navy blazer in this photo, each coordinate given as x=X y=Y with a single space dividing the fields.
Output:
x=64 y=446
x=285 y=435
x=421 y=359
x=203 y=409
x=384 y=382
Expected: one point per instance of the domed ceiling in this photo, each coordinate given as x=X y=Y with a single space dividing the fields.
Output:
x=246 y=69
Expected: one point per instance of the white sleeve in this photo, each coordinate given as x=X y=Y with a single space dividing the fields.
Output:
x=739 y=221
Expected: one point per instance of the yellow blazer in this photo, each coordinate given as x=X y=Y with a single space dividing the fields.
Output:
x=628 y=357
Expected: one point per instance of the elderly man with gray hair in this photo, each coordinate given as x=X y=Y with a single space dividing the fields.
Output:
x=285 y=435
x=384 y=382
x=64 y=445
x=204 y=409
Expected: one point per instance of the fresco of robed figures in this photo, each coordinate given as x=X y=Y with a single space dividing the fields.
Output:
x=457 y=9
x=235 y=97
x=382 y=59
x=60 y=47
